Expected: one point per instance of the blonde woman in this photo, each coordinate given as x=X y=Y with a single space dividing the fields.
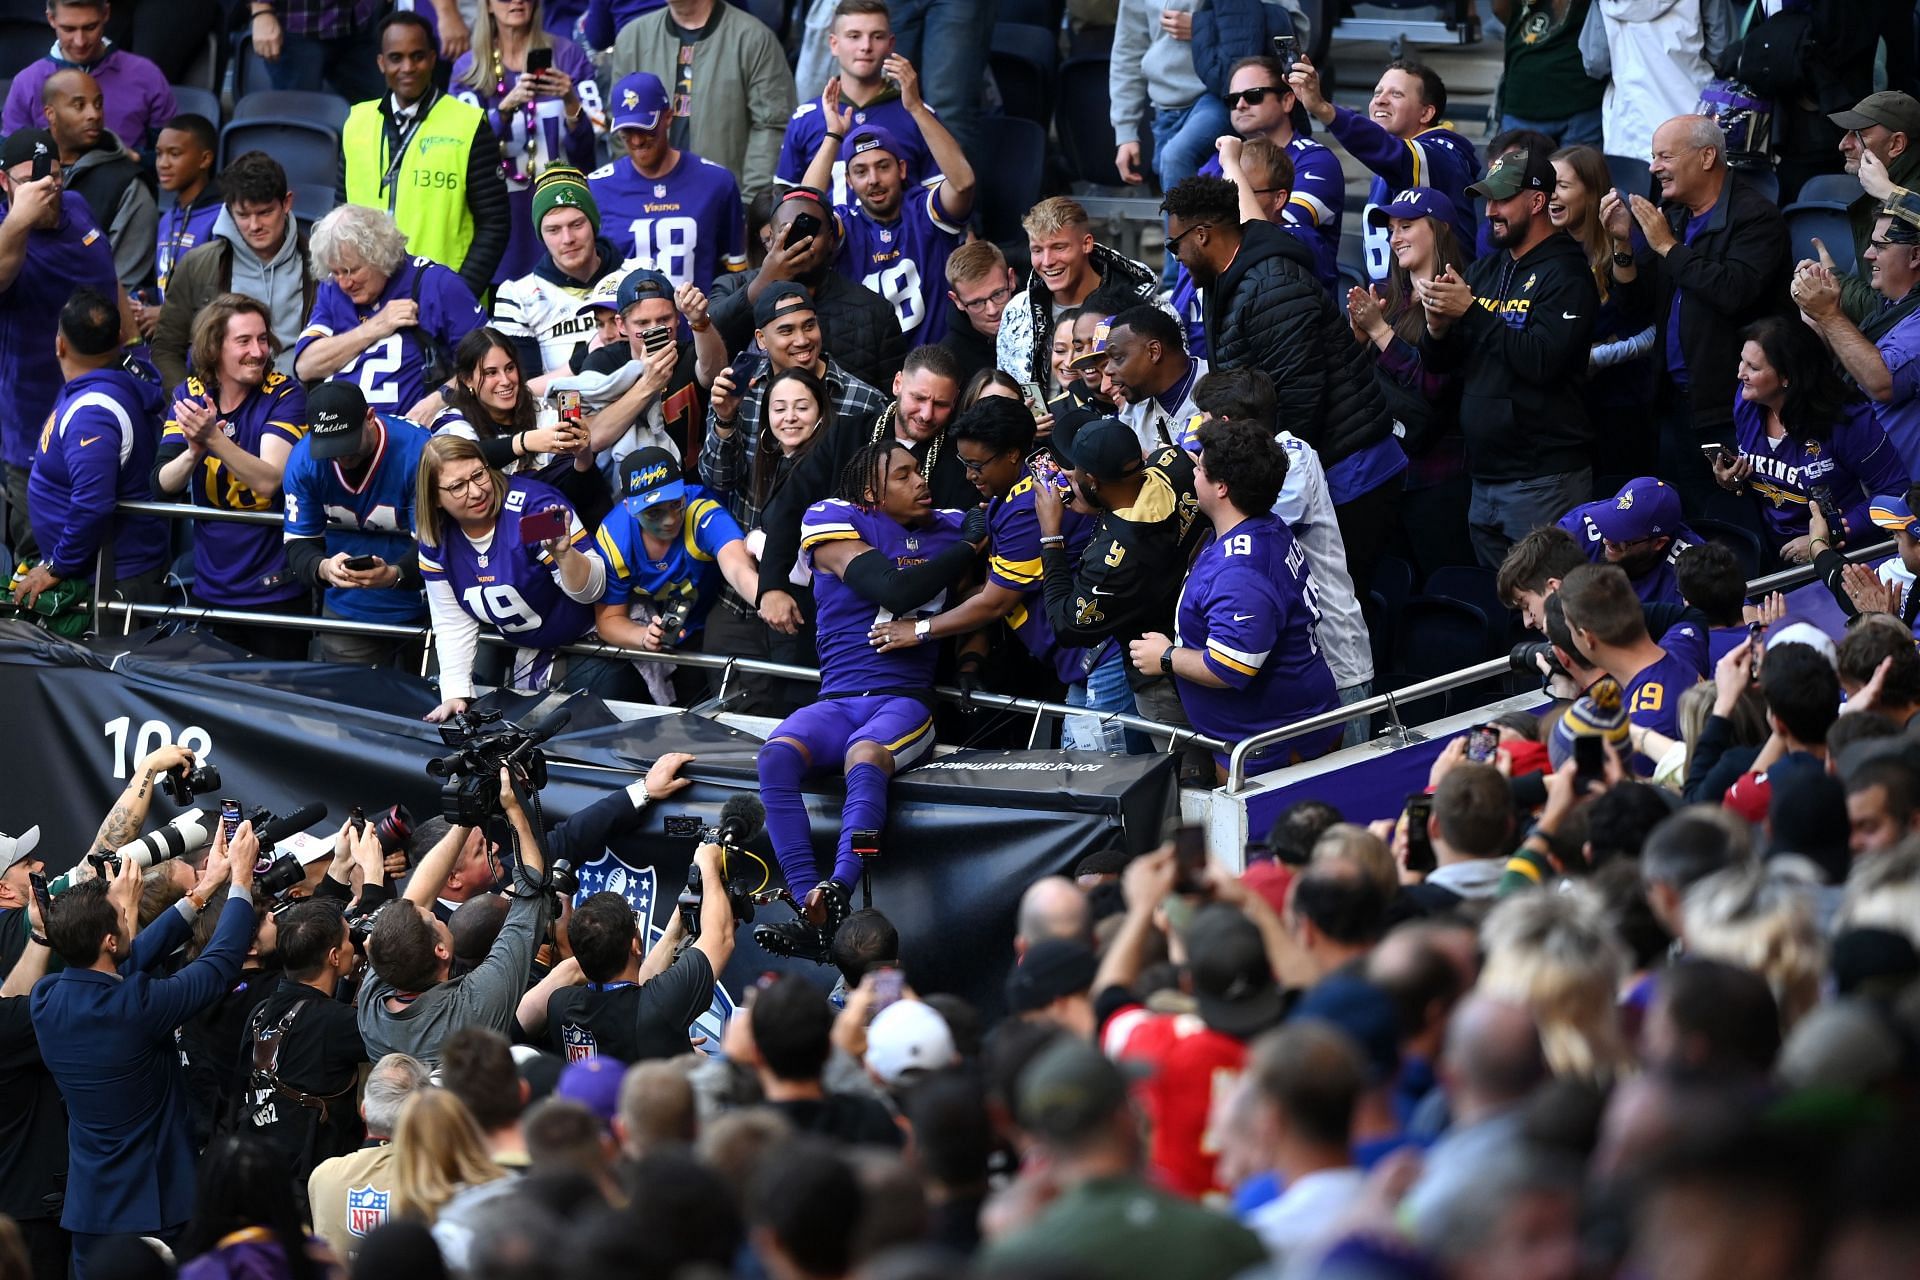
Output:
x=437 y=1152
x=1555 y=954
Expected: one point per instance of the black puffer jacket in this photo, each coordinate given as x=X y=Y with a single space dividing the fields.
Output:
x=858 y=327
x=1269 y=312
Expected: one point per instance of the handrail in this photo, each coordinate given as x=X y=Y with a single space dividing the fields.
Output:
x=1797 y=576
x=1177 y=736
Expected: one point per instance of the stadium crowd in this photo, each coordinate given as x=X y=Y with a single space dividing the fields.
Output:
x=659 y=326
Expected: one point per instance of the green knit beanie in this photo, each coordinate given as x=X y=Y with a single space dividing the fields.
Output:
x=563 y=186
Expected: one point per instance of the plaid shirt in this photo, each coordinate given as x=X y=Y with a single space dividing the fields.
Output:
x=325 y=19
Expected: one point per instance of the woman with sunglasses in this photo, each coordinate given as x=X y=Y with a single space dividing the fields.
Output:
x=488 y=560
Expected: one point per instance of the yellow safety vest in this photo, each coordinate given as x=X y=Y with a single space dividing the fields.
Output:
x=425 y=187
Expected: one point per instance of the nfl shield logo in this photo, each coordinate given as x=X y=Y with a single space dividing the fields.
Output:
x=886 y=236
x=366 y=1208
x=579 y=1041
x=659 y=191
x=637 y=885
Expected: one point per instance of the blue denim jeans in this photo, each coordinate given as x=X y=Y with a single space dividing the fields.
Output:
x=347 y=64
x=1580 y=128
x=1504 y=511
x=1183 y=137
x=947 y=40
x=1104 y=689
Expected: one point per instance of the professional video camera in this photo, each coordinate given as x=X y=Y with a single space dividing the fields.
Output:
x=741 y=819
x=481 y=745
x=184 y=783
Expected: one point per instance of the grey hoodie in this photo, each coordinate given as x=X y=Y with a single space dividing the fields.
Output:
x=133 y=224
x=281 y=283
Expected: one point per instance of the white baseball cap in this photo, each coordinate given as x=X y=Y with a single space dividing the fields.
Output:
x=908 y=1035
x=17 y=849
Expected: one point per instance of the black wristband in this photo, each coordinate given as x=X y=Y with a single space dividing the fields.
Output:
x=837 y=137
x=38 y=941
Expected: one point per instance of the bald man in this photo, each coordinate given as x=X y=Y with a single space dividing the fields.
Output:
x=99 y=170
x=1053 y=907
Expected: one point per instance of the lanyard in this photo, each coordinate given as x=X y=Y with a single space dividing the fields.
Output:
x=388 y=187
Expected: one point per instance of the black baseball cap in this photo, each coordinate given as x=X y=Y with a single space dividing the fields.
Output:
x=781 y=297
x=1104 y=448
x=1233 y=982
x=23 y=145
x=335 y=413
x=1051 y=970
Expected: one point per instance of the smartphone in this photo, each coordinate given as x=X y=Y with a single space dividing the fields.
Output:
x=1483 y=743
x=42 y=165
x=1036 y=399
x=1757 y=639
x=1419 y=845
x=539 y=60
x=1287 y=49
x=1713 y=449
x=1046 y=469
x=357 y=819
x=746 y=367
x=803 y=225
x=1589 y=761
x=229 y=817
x=656 y=338
x=360 y=564
x=38 y=880
x=542 y=525
x=888 y=984
x=1829 y=505
x=1190 y=859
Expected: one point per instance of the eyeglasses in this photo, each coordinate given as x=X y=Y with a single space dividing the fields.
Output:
x=997 y=298
x=468 y=484
x=973 y=468
x=1628 y=545
x=1253 y=97
x=1173 y=242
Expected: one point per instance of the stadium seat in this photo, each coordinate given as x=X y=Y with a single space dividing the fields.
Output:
x=309 y=152
x=1633 y=177
x=197 y=102
x=1090 y=42
x=22 y=41
x=1032 y=13
x=1823 y=220
x=1083 y=123
x=1474 y=585
x=313 y=201
x=1435 y=636
x=1352 y=276
x=1023 y=59
x=1019 y=159
x=1744 y=543
x=1393 y=583
x=329 y=109
x=1838 y=188
x=249 y=68
x=1766 y=182
x=1373 y=610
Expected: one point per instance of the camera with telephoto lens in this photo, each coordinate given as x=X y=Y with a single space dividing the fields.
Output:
x=741 y=819
x=185 y=836
x=392 y=827
x=481 y=745
x=188 y=781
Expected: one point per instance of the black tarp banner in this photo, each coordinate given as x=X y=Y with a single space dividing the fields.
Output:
x=966 y=833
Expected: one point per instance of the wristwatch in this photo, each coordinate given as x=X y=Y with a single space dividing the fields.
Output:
x=1621 y=258
x=923 y=629
x=1166 y=659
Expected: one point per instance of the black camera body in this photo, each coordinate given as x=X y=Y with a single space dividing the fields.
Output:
x=1523 y=659
x=184 y=783
x=741 y=819
x=481 y=745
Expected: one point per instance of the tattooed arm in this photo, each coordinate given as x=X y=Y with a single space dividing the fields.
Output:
x=130 y=810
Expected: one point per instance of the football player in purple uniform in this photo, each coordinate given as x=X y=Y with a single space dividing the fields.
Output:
x=1244 y=655
x=234 y=425
x=667 y=209
x=878 y=551
x=485 y=562
x=895 y=236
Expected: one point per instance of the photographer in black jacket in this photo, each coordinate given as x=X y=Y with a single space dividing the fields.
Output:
x=1519 y=326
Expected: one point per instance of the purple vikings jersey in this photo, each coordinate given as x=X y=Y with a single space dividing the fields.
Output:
x=905 y=260
x=848 y=663
x=513 y=588
x=809 y=125
x=1014 y=563
x=690 y=567
x=1856 y=461
x=392 y=373
x=1652 y=698
x=373 y=519
x=241 y=563
x=688 y=224
x=1248 y=605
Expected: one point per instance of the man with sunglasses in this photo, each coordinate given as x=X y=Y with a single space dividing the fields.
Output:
x=1642 y=530
x=1882 y=354
x=1262 y=104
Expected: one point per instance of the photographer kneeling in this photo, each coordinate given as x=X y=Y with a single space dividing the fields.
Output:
x=629 y=1011
x=409 y=1004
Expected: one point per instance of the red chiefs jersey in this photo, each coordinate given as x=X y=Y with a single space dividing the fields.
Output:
x=1194 y=1072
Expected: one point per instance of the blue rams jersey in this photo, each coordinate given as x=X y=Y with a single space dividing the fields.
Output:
x=688 y=224
x=905 y=260
x=513 y=588
x=1014 y=563
x=241 y=563
x=378 y=515
x=1248 y=606
x=689 y=568
x=843 y=617
x=392 y=373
